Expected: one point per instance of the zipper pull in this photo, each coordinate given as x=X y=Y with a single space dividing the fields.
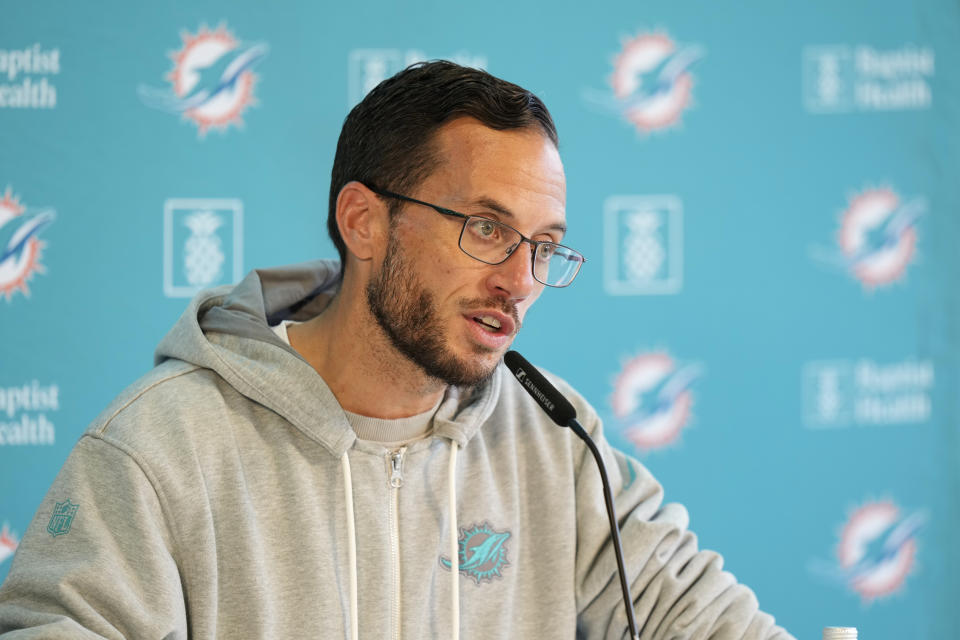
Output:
x=396 y=468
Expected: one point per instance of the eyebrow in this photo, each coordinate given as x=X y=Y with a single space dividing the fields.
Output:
x=496 y=207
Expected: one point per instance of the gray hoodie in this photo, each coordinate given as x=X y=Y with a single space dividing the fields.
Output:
x=224 y=495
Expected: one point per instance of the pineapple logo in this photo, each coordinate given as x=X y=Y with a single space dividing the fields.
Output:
x=203 y=258
x=202 y=245
x=643 y=253
x=644 y=248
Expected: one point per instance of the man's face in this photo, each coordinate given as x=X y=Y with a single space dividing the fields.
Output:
x=450 y=314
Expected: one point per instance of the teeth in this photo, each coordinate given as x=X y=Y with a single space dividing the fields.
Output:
x=490 y=321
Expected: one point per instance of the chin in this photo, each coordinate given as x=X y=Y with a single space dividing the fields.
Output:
x=487 y=357
x=470 y=370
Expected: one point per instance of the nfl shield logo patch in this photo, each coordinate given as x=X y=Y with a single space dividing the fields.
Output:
x=62 y=518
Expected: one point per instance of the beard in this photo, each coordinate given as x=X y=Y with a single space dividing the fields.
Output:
x=407 y=314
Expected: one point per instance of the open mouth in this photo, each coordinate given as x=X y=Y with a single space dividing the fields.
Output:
x=489 y=323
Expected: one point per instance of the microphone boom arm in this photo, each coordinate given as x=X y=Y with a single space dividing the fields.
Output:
x=578 y=429
x=563 y=413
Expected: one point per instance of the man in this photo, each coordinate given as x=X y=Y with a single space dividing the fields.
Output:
x=340 y=454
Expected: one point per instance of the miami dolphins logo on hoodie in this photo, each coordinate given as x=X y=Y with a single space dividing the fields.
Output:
x=482 y=554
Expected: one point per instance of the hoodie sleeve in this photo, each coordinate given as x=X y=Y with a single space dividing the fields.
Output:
x=678 y=591
x=96 y=561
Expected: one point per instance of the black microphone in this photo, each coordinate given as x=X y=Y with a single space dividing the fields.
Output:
x=557 y=407
x=562 y=412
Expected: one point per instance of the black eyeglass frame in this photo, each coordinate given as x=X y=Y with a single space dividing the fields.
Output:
x=535 y=244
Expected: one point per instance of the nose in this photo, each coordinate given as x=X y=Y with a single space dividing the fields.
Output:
x=514 y=276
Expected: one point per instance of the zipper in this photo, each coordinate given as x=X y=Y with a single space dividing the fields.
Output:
x=396 y=468
x=395 y=465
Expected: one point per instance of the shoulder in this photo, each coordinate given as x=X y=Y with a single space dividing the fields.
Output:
x=163 y=404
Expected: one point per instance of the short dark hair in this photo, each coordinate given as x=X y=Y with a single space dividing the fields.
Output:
x=387 y=138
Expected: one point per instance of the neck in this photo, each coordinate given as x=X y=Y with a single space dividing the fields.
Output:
x=350 y=351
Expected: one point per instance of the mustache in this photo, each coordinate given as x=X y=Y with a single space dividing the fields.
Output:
x=500 y=304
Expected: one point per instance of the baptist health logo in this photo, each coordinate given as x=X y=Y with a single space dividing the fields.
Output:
x=366 y=68
x=841 y=78
x=651 y=84
x=202 y=244
x=844 y=393
x=652 y=399
x=20 y=245
x=25 y=414
x=877 y=238
x=28 y=64
x=643 y=242
x=876 y=550
x=212 y=80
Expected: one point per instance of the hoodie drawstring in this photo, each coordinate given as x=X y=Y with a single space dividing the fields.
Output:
x=454 y=544
x=352 y=547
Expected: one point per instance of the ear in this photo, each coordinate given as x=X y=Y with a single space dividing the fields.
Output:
x=361 y=218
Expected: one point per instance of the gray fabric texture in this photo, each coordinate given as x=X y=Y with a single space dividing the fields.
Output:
x=392 y=432
x=210 y=504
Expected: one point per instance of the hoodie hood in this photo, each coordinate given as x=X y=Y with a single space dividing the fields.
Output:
x=227 y=330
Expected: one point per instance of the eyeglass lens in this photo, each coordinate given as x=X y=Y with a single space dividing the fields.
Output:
x=492 y=242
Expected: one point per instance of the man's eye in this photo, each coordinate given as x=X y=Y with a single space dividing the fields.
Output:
x=486 y=229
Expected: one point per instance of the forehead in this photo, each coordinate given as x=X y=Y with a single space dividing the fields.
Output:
x=519 y=168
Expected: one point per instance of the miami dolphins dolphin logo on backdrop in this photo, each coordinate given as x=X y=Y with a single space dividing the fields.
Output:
x=652 y=399
x=212 y=80
x=8 y=542
x=20 y=244
x=878 y=235
x=482 y=553
x=877 y=238
x=876 y=550
x=651 y=83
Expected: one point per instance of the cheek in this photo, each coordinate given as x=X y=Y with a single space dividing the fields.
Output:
x=455 y=269
x=444 y=256
x=442 y=271
x=429 y=261
x=447 y=276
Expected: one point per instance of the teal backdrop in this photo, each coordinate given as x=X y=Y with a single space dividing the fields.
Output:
x=767 y=195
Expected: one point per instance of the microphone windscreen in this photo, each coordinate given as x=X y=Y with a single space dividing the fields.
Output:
x=557 y=407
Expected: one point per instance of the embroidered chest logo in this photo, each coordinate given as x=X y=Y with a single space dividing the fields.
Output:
x=482 y=554
x=62 y=518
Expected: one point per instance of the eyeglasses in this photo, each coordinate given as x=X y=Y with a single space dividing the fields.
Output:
x=492 y=242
